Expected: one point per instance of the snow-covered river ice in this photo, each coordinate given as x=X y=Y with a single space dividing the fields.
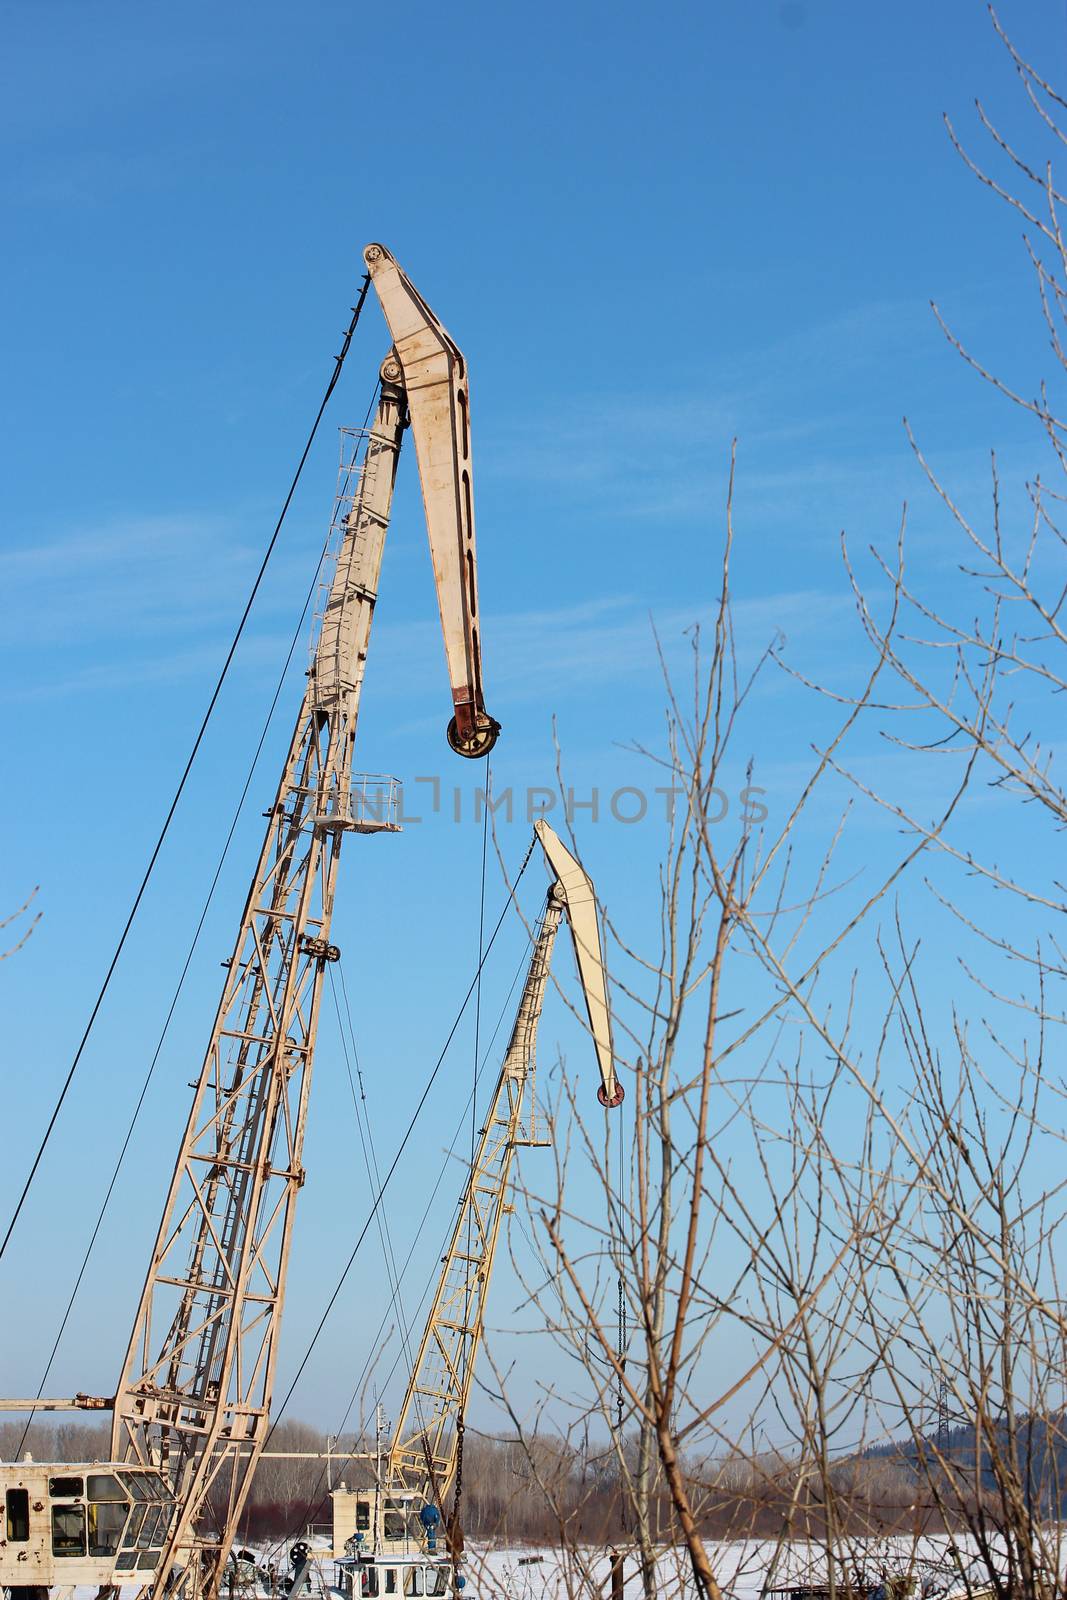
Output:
x=744 y=1569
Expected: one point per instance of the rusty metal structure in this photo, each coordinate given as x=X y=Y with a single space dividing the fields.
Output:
x=193 y=1400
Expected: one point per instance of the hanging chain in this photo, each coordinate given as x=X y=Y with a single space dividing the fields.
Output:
x=455 y=1526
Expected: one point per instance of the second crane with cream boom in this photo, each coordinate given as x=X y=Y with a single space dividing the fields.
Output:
x=385 y=1526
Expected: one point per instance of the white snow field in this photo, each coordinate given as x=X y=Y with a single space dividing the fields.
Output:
x=742 y=1568
x=942 y=1566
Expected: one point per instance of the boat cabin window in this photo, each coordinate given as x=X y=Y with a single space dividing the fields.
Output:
x=68 y=1530
x=135 y=1525
x=18 y=1515
x=362 y=1515
x=413 y=1580
x=143 y=1486
x=436 y=1582
x=390 y=1580
x=106 y=1522
x=105 y=1486
x=59 y=1487
x=152 y=1532
x=369 y=1581
x=394 y=1522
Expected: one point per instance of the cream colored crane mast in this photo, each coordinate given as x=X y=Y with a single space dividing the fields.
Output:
x=195 y=1390
x=423 y=1455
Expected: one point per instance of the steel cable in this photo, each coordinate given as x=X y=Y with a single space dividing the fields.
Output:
x=185 y=966
x=231 y=652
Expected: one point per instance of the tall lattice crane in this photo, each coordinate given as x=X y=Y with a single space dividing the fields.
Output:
x=193 y=1400
x=423 y=1457
x=196 y=1383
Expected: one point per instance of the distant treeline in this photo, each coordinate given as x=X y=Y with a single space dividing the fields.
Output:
x=529 y=1493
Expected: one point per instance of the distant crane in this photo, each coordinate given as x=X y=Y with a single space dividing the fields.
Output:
x=426 y=1444
x=192 y=1406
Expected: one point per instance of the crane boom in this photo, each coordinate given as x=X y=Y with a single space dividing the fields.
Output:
x=435 y=380
x=589 y=954
x=423 y=1455
x=196 y=1384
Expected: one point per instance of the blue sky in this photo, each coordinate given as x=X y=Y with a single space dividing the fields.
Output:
x=650 y=231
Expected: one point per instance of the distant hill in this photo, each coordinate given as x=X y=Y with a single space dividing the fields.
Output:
x=1040 y=1450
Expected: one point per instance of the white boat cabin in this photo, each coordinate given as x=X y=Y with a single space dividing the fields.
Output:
x=96 y=1523
x=376 y=1577
x=386 y=1546
x=365 y=1520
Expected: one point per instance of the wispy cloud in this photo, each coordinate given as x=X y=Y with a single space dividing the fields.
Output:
x=151 y=599
x=138 y=600
x=164 y=562
x=809 y=462
x=263 y=652
x=544 y=654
